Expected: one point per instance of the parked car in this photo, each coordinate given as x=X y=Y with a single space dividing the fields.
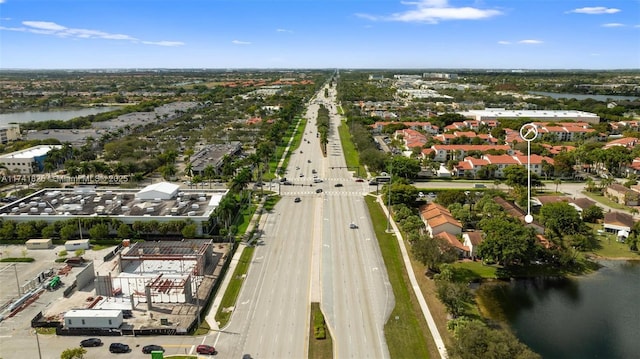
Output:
x=147 y=349
x=126 y=314
x=91 y=342
x=205 y=349
x=119 y=348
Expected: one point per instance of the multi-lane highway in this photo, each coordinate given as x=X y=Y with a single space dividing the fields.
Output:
x=309 y=253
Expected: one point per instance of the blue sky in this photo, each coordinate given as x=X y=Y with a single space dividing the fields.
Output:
x=520 y=34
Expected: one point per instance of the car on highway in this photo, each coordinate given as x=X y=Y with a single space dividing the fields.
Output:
x=319 y=190
x=297 y=200
x=359 y=180
x=353 y=225
x=302 y=175
x=338 y=185
x=205 y=349
x=119 y=348
x=91 y=342
x=287 y=183
x=147 y=349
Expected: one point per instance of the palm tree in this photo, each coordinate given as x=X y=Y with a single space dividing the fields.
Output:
x=557 y=182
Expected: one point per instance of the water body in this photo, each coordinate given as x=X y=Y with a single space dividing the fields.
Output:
x=584 y=97
x=595 y=316
x=37 y=116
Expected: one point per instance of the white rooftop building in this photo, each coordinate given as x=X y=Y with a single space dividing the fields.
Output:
x=160 y=190
x=533 y=115
x=27 y=161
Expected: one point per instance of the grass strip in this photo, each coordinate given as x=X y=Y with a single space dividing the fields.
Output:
x=319 y=348
x=406 y=331
x=235 y=284
x=351 y=156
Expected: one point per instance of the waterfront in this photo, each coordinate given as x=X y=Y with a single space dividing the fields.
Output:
x=584 y=97
x=37 y=116
x=595 y=316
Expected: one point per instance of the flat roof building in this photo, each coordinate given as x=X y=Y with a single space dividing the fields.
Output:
x=160 y=203
x=27 y=161
x=533 y=115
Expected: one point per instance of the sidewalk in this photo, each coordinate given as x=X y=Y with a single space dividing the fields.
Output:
x=211 y=315
x=414 y=284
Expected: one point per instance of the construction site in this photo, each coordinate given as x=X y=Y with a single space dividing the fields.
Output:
x=161 y=287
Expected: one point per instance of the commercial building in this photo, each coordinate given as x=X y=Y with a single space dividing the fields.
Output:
x=9 y=133
x=160 y=202
x=532 y=115
x=27 y=161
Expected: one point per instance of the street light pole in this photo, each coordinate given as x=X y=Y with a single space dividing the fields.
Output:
x=389 y=200
x=38 y=342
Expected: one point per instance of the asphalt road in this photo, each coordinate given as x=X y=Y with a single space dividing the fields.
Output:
x=307 y=253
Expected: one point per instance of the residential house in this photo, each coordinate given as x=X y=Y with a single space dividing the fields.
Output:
x=622 y=194
x=411 y=138
x=616 y=222
x=463 y=251
x=634 y=167
x=627 y=142
x=580 y=204
x=438 y=219
x=445 y=153
x=472 y=240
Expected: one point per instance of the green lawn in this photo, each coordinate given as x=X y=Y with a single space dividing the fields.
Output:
x=351 y=155
x=604 y=200
x=319 y=348
x=611 y=248
x=406 y=331
x=233 y=290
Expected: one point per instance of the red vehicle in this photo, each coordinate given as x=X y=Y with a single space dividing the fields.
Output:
x=205 y=349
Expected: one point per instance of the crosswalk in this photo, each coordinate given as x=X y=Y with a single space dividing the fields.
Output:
x=323 y=193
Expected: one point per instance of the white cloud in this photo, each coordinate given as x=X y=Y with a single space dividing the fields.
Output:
x=1 y=1
x=530 y=41
x=502 y=42
x=434 y=11
x=284 y=30
x=164 y=43
x=613 y=24
x=238 y=42
x=51 y=28
x=595 y=10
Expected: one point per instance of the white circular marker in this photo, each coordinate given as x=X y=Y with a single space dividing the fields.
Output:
x=528 y=218
x=529 y=132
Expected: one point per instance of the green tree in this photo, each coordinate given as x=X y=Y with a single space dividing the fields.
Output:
x=68 y=232
x=506 y=241
x=189 y=231
x=99 y=231
x=432 y=252
x=517 y=175
x=124 y=231
x=592 y=214
x=402 y=166
x=561 y=219
x=473 y=340
x=25 y=230
x=455 y=296
x=73 y=353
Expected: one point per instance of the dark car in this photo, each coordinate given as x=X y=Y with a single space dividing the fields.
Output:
x=373 y=182
x=319 y=190
x=359 y=180
x=91 y=342
x=338 y=185
x=287 y=183
x=297 y=199
x=147 y=349
x=126 y=314
x=119 y=348
x=205 y=349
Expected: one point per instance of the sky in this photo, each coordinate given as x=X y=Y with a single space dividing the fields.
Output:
x=297 y=34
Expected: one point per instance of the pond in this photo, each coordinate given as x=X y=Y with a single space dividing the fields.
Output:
x=37 y=116
x=594 y=316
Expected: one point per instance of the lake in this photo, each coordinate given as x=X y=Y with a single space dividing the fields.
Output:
x=583 y=97
x=594 y=316
x=37 y=116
